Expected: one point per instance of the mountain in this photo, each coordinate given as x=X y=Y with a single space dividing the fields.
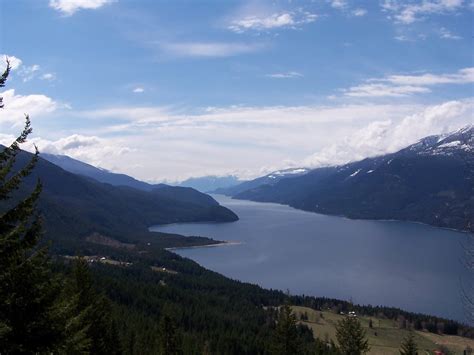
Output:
x=431 y=181
x=270 y=179
x=78 y=167
x=76 y=207
x=210 y=183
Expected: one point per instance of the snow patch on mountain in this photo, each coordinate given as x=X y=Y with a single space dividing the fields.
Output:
x=448 y=144
x=355 y=173
x=288 y=172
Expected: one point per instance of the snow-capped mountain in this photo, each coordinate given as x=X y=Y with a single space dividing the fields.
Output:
x=288 y=173
x=454 y=143
x=431 y=181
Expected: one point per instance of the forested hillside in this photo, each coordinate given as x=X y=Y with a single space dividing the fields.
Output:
x=211 y=311
x=76 y=207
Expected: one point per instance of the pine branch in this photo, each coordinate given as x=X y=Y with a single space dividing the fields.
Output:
x=11 y=151
x=3 y=78
x=14 y=182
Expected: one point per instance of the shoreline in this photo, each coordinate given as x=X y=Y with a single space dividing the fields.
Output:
x=461 y=231
x=214 y=245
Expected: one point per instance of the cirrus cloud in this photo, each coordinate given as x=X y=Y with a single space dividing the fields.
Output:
x=405 y=85
x=285 y=75
x=277 y=20
x=209 y=49
x=409 y=12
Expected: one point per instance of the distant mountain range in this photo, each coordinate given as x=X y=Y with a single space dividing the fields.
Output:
x=202 y=184
x=270 y=179
x=211 y=183
x=76 y=206
x=431 y=181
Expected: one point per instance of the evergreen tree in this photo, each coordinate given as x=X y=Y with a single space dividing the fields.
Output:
x=168 y=338
x=325 y=348
x=93 y=311
x=285 y=339
x=30 y=320
x=409 y=346
x=351 y=337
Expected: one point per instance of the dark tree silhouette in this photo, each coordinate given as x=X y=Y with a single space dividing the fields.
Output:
x=351 y=337
x=95 y=329
x=409 y=346
x=168 y=337
x=29 y=317
x=285 y=339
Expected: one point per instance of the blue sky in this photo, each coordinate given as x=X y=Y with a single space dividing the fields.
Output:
x=172 y=89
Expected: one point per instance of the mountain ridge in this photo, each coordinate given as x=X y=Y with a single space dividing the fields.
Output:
x=78 y=167
x=75 y=207
x=430 y=181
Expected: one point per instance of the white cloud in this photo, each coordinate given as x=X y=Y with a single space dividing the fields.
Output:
x=384 y=90
x=69 y=7
x=273 y=21
x=28 y=72
x=343 y=5
x=410 y=37
x=463 y=76
x=218 y=140
x=250 y=141
x=15 y=62
x=138 y=90
x=405 y=85
x=48 y=76
x=387 y=136
x=359 y=12
x=16 y=106
x=286 y=75
x=409 y=12
x=90 y=149
x=402 y=38
x=156 y=143
x=209 y=49
x=338 y=4
x=444 y=33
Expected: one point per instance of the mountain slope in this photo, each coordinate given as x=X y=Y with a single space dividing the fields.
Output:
x=269 y=179
x=431 y=181
x=75 y=206
x=80 y=168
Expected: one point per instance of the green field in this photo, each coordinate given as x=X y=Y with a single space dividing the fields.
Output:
x=384 y=337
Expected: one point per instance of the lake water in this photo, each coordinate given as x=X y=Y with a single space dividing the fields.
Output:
x=408 y=265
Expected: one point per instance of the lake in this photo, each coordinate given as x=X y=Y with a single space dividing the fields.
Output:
x=408 y=265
